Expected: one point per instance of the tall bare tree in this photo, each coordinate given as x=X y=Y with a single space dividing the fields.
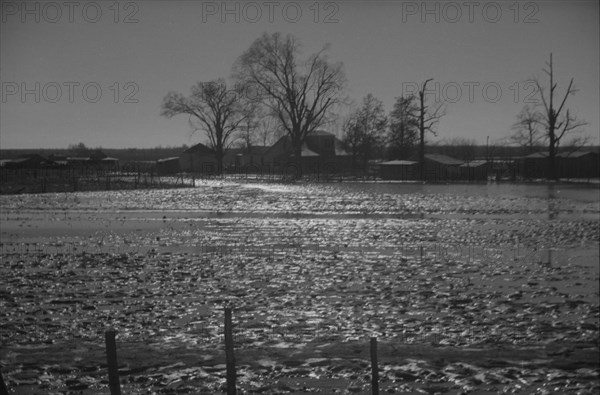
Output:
x=527 y=129
x=299 y=93
x=212 y=108
x=403 y=127
x=558 y=120
x=429 y=117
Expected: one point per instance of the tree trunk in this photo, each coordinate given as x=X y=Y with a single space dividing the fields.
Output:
x=553 y=175
x=298 y=160
x=219 y=156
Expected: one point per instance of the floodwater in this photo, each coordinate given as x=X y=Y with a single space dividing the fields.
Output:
x=510 y=271
x=577 y=192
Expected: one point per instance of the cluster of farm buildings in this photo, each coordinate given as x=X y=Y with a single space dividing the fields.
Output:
x=324 y=153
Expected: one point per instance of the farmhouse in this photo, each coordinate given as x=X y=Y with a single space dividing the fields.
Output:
x=322 y=152
x=245 y=159
x=198 y=158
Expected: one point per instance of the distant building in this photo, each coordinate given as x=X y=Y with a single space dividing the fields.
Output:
x=577 y=164
x=32 y=161
x=322 y=152
x=198 y=159
x=440 y=167
x=534 y=165
x=399 y=170
x=245 y=159
x=79 y=161
x=475 y=170
x=168 y=165
x=109 y=163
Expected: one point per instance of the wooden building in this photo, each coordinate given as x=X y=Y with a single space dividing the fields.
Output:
x=168 y=165
x=198 y=159
x=475 y=170
x=440 y=167
x=577 y=164
x=32 y=161
x=405 y=170
x=322 y=153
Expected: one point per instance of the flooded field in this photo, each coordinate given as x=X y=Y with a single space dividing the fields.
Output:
x=468 y=288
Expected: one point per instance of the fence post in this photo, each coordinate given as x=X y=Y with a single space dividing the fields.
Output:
x=229 y=356
x=374 y=368
x=111 y=359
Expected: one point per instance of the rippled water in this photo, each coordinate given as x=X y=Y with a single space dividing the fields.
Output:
x=499 y=268
x=579 y=192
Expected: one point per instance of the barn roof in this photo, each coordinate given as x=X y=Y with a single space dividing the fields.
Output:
x=443 y=159
x=474 y=163
x=199 y=148
x=173 y=158
x=576 y=154
x=399 y=163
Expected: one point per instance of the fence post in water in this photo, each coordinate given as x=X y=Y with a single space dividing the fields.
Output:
x=111 y=359
x=374 y=368
x=229 y=357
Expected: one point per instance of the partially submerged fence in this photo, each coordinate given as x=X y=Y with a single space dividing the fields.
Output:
x=231 y=388
x=43 y=180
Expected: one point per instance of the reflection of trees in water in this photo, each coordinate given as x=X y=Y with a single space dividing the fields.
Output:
x=552 y=204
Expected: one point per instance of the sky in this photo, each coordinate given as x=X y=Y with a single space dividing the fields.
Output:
x=96 y=72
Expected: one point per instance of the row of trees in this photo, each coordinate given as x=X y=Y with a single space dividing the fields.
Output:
x=275 y=92
x=369 y=132
x=549 y=122
x=273 y=88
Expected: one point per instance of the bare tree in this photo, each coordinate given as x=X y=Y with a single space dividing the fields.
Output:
x=364 y=131
x=250 y=125
x=429 y=117
x=300 y=94
x=352 y=137
x=558 y=121
x=527 y=131
x=211 y=108
x=403 y=127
